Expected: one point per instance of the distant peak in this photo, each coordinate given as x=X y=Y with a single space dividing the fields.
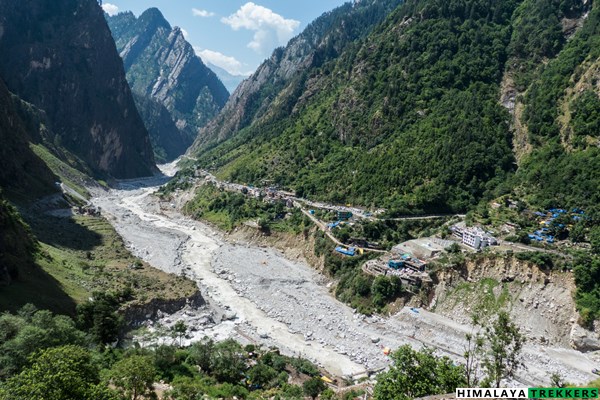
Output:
x=153 y=15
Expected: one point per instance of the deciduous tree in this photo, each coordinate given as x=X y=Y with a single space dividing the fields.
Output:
x=133 y=376
x=416 y=374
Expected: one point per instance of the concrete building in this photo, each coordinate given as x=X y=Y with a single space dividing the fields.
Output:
x=476 y=238
x=425 y=248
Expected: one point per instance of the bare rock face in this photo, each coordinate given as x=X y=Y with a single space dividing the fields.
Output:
x=584 y=340
x=162 y=66
x=60 y=57
x=22 y=173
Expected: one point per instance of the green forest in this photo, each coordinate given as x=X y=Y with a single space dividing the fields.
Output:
x=409 y=118
x=46 y=356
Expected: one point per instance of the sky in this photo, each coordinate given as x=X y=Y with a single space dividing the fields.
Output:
x=234 y=35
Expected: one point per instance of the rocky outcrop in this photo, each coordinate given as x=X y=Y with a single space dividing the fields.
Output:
x=162 y=66
x=539 y=301
x=323 y=40
x=136 y=315
x=60 y=57
x=583 y=340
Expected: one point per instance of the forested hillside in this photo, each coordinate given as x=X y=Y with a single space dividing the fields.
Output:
x=410 y=117
x=562 y=115
x=267 y=93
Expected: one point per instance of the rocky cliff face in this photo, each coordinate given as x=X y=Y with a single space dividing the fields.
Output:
x=539 y=301
x=277 y=78
x=162 y=66
x=22 y=173
x=60 y=57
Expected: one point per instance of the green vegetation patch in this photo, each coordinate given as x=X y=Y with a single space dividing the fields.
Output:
x=39 y=349
x=82 y=255
x=70 y=176
x=485 y=298
x=227 y=210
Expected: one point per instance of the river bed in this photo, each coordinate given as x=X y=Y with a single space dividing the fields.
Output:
x=259 y=296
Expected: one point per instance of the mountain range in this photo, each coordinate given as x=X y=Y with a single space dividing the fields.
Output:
x=175 y=92
x=424 y=106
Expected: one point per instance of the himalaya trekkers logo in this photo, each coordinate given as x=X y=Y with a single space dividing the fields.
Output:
x=527 y=393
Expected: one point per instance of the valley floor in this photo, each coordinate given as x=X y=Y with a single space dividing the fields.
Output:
x=262 y=297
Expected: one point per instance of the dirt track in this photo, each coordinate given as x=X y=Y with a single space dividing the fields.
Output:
x=270 y=300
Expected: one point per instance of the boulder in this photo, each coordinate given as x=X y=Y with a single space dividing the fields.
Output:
x=583 y=340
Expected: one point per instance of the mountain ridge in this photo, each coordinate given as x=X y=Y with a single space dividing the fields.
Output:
x=78 y=80
x=408 y=117
x=321 y=40
x=162 y=68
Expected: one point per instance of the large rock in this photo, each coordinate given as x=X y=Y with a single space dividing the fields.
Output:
x=584 y=340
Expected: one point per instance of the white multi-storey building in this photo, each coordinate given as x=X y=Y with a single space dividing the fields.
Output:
x=476 y=238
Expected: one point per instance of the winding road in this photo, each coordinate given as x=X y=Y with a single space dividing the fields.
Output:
x=285 y=303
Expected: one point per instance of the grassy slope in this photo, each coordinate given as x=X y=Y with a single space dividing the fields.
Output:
x=79 y=256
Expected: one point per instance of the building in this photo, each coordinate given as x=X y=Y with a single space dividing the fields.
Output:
x=476 y=238
x=425 y=248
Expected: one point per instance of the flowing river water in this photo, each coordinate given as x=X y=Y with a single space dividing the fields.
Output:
x=273 y=301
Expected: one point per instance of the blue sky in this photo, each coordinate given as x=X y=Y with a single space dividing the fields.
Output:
x=235 y=35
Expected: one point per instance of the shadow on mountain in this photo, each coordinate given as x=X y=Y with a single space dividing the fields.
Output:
x=36 y=286
x=64 y=233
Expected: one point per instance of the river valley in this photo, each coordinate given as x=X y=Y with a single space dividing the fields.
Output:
x=258 y=296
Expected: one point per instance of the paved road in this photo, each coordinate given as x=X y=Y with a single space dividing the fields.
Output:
x=327 y=232
x=285 y=300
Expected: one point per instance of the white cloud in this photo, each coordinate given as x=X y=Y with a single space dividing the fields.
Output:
x=202 y=13
x=110 y=9
x=185 y=33
x=271 y=29
x=228 y=63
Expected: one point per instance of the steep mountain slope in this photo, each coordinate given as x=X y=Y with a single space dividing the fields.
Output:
x=562 y=117
x=22 y=173
x=17 y=244
x=410 y=117
x=287 y=69
x=168 y=141
x=22 y=176
x=406 y=118
x=63 y=60
x=163 y=67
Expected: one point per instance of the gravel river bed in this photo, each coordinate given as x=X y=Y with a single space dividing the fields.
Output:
x=256 y=295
